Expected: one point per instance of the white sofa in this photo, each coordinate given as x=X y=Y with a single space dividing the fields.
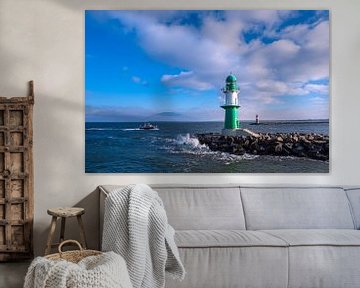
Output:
x=242 y=236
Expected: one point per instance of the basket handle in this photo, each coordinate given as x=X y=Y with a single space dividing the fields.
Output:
x=69 y=241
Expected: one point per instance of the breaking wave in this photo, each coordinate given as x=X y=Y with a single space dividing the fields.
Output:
x=187 y=144
x=189 y=141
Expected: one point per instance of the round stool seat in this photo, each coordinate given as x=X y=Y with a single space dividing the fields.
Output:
x=66 y=211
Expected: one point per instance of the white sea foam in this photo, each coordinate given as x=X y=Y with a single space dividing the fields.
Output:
x=186 y=144
x=100 y=129
x=138 y=129
x=190 y=141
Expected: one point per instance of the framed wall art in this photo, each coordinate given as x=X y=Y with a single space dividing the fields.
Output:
x=233 y=91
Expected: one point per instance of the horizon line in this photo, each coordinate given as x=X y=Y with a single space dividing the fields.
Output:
x=192 y=121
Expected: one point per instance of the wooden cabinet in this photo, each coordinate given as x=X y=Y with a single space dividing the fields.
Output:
x=16 y=177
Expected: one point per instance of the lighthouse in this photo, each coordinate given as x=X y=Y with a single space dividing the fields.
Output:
x=231 y=105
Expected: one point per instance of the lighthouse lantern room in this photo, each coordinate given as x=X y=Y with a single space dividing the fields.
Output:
x=231 y=105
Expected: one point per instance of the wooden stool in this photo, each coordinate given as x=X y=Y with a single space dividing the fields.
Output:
x=64 y=213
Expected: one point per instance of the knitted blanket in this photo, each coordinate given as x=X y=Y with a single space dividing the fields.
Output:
x=103 y=271
x=136 y=227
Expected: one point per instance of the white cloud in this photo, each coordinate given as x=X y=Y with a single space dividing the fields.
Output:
x=298 y=55
x=282 y=49
x=224 y=33
x=317 y=88
x=295 y=32
x=267 y=18
x=278 y=88
x=317 y=39
x=186 y=79
x=138 y=80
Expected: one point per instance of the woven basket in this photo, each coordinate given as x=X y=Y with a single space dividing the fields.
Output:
x=72 y=256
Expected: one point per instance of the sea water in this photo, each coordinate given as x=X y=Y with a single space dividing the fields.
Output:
x=121 y=147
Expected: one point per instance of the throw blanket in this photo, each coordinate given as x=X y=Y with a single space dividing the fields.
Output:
x=136 y=227
x=103 y=271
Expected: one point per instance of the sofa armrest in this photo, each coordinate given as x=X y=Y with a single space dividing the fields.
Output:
x=103 y=195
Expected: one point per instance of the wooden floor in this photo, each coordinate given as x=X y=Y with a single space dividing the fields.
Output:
x=12 y=274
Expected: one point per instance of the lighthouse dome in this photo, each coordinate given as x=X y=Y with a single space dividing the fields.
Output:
x=230 y=78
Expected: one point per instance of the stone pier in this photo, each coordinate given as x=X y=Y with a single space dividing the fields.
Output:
x=312 y=145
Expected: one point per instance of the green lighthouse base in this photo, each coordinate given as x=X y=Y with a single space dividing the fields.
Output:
x=231 y=116
x=239 y=132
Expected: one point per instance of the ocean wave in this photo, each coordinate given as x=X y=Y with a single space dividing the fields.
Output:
x=187 y=140
x=138 y=129
x=186 y=144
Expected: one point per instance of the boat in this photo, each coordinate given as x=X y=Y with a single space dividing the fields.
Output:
x=148 y=126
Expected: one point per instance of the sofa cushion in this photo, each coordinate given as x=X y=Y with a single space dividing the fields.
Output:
x=226 y=238
x=322 y=258
x=192 y=208
x=354 y=198
x=199 y=207
x=324 y=266
x=315 y=237
x=220 y=267
x=296 y=208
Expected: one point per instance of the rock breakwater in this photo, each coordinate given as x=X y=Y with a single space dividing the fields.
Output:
x=314 y=146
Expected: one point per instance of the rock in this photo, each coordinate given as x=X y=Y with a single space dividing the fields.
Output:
x=320 y=141
x=288 y=145
x=240 y=150
x=262 y=149
x=286 y=151
x=254 y=145
x=315 y=146
x=213 y=146
x=278 y=148
x=230 y=140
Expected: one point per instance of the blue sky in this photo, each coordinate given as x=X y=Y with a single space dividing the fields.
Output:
x=140 y=64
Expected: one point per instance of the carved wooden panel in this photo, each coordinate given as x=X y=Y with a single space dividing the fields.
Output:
x=16 y=177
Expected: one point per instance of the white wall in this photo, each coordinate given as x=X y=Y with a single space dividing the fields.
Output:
x=43 y=40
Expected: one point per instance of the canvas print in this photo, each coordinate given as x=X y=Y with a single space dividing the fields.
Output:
x=233 y=91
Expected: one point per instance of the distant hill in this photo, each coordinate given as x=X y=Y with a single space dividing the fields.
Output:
x=167 y=116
